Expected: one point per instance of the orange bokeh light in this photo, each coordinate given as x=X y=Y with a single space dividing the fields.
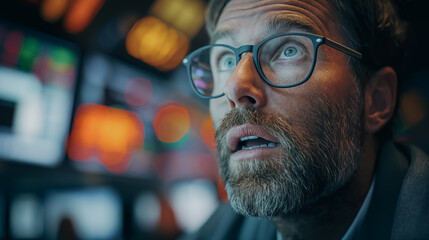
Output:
x=157 y=44
x=108 y=133
x=81 y=13
x=207 y=133
x=53 y=10
x=412 y=107
x=221 y=191
x=171 y=123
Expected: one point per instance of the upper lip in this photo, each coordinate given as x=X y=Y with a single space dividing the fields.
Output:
x=234 y=135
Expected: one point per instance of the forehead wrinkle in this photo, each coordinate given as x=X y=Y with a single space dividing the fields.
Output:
x=305 y=17
x=236 y=8
x=283 y=23
x=314 y=17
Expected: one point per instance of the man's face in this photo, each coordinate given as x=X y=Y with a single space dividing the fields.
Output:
x=280 y=149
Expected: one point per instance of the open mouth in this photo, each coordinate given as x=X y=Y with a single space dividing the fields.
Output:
x=252 y=142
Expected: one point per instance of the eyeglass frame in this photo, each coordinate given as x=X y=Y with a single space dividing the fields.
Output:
x=315 y=39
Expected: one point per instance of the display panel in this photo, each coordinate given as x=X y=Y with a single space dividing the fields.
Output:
x=26 y=215
x=37 y=79
x=84 y=213
x=130 y=121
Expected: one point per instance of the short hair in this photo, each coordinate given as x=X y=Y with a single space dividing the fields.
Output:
x=371 y=27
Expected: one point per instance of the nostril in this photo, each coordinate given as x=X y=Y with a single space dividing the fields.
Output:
x=252 y=100
x=247 y=100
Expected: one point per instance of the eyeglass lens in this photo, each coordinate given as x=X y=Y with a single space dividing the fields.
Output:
x=284 y=61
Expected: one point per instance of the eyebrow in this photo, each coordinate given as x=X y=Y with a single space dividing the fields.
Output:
x=279 y=24
x=222 y=34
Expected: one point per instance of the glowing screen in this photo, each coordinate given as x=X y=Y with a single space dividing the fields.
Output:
x=94 y=213
x=37 y=80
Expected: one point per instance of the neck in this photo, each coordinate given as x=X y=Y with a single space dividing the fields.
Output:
x=331 y=216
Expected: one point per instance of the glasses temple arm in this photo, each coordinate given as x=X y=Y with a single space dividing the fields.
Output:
x=343 y=48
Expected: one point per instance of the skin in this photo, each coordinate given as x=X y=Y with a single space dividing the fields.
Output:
x=332 y=77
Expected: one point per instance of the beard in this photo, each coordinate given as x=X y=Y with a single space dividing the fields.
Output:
x=317 y=157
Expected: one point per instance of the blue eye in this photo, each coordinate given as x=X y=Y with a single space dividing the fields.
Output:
x=226 y=62
x=291 y=52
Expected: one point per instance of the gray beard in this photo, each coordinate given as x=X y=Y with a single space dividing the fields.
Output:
x=313 y=163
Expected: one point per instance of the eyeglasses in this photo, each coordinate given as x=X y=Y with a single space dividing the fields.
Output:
x=282 y=61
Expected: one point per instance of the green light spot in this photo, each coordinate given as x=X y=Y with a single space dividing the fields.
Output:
x=28 y=54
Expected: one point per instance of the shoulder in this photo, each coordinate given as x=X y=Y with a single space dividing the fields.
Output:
x=418 y=171
x=412 y=211
x=399 y=204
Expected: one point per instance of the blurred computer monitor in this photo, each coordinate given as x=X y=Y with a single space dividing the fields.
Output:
x=37 y=83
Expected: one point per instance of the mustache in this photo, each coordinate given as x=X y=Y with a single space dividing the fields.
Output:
x=236 y=117
x=280 y=128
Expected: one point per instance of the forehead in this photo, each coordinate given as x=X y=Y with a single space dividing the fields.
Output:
x=252 y=21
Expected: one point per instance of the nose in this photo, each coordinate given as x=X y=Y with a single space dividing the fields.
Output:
x=245 y=87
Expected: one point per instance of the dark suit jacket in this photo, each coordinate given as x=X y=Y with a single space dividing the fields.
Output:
x=399 y=207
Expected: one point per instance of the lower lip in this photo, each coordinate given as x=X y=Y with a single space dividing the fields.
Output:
x=255 y=153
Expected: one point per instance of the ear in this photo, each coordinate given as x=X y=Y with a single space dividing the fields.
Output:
x=380 y=99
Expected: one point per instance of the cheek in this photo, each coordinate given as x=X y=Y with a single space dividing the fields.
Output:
x=333 y=75
x=218 y=109
x=291 y=103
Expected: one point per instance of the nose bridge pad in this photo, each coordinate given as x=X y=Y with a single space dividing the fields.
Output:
x=241 y=51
